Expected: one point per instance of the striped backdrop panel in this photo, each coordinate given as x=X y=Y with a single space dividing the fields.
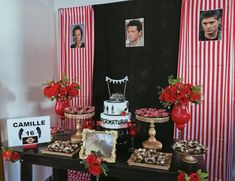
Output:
x=210 y=64
x=77 y=63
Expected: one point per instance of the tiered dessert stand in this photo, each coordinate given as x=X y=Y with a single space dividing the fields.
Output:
x=152 y=143
x=79 y=118
x=189 y=150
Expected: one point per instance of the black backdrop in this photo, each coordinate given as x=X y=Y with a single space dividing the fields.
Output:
x=146 y=67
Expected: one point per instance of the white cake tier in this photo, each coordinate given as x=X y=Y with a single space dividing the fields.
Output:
x=115 y=108
x=114 y=122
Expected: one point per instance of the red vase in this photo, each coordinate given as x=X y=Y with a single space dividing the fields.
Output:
x=60 y=106
x=180 y=115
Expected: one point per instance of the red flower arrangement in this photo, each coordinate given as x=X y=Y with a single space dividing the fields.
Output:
x=94 y=164
x=10 y=155
x=61 y=90
x=179 y=93
x=132 y=128
x=195 y=176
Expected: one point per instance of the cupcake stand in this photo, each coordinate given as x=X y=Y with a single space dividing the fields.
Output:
x=79 y=118
x=152 y=143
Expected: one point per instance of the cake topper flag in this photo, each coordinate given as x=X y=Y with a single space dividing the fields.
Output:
x=116 y=81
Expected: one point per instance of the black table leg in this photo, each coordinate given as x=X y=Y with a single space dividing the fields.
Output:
x=59 y=174
x=26 y=171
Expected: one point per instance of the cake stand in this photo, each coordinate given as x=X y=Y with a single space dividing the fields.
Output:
x=152 y=143
x=189 y=158
x=79 y=118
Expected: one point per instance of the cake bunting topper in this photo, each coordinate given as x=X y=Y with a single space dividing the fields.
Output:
x=116 y=81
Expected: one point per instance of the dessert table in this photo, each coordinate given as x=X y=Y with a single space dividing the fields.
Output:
x=117 y=171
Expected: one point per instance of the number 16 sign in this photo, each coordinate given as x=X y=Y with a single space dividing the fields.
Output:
x=23 y=131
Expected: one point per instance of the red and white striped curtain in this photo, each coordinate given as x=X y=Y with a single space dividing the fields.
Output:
x=211 y=65
x=77 y=63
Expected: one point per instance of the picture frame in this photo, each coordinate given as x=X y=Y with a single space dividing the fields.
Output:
x=210 y=25
x=134 y=32
x=77 y=36
x=101 y=142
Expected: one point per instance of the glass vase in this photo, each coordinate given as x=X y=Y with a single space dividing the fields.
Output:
x=180 y=115
x=60 y=106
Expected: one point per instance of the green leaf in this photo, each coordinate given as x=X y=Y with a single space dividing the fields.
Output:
x=186 y=177
x=203 y=175
x=82 y=162
x=196 y=89
x=173 y=81
x=64 y=78
x=202 y=179
x=105 y=167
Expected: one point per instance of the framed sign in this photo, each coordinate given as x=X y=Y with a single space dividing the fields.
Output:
x=101 y=142
x=25 y=131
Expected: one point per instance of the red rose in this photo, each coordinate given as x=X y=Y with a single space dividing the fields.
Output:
x=88 y=124
x=185 y=90
x=63 y=91
x=45 y=91
x=169 y=98
x=178 y=85
x=74 y=85
x=132 y=132
x=195 y=97
x=72 y=92
x=174 y=91
x=92 y=159
x=189 y=85
x=194 y=177
x=6 y=155
x=161 y=98
x=15 y=156
x=181 y=177
x=94 y=164
x=95 y=169
x=54 y=90
x=123 y=113
x=129 y=124
x=183 y=99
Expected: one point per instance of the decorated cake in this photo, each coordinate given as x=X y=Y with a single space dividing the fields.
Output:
x=115 y=113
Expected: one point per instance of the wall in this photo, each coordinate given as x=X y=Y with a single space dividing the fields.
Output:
x=75 y=3
x=28 y=58
x=146 y=67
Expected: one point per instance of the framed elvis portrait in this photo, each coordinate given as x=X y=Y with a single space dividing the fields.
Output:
x=101 y=142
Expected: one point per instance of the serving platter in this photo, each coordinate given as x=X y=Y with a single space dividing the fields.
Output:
x=61 y=148
x=131 y=161
x=46 y=151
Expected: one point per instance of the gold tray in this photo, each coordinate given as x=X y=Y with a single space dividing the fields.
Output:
x=164 y=167
x=79 y=116
x=152 y=120
x=45 y=151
